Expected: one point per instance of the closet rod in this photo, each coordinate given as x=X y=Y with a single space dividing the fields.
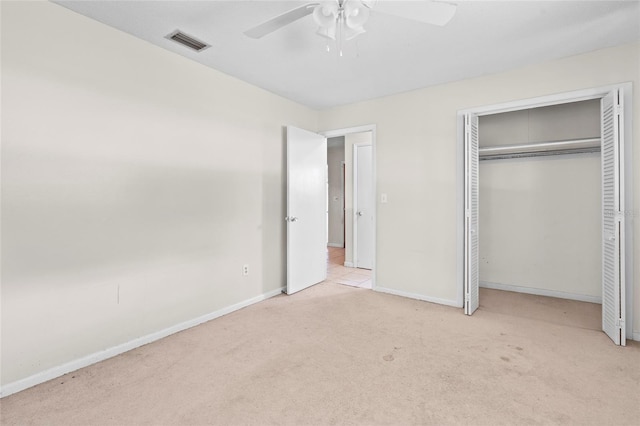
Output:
x=574 y=146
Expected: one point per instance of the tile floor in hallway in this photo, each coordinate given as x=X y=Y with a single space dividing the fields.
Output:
x=338 y=273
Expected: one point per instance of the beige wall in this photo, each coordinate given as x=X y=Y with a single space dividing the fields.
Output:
x=573 y=120
x=540 y=217
x=335 y=159
x=540 y=225
x=417 y=162
x=135 y=185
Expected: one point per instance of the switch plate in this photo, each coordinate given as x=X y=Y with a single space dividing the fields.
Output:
x=383 y=198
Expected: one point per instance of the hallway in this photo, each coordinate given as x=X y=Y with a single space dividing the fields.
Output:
x=340 y=274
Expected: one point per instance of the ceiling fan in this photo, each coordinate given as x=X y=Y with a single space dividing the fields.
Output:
x=345 y=19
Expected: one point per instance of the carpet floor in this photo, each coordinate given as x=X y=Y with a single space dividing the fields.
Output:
x=335 y=354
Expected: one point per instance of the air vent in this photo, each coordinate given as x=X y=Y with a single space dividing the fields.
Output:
x=186 y=40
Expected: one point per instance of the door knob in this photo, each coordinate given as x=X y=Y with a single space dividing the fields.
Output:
x=293 y=219
x=359 y=213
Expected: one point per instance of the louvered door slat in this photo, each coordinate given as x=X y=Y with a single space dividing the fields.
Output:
x=472 y=267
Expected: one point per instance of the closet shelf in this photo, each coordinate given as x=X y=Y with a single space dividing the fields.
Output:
x=573 y=146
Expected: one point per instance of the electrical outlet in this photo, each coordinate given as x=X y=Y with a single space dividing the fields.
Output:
x=245 y=270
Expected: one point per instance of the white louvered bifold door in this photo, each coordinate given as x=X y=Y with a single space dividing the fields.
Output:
x=613 y=301
x=471 y=265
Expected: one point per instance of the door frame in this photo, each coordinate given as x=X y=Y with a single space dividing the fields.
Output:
x=355 y=197
x=343 y=187
x=555 y=99
x=361 y=129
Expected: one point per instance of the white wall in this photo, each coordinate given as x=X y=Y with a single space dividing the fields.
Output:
x=533 y=211
x=573 y=120
x=335 y=159
x=135 y=185
x=540 y=225
x=416 y=153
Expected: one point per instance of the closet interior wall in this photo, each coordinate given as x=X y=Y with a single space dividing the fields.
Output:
x=540 y=217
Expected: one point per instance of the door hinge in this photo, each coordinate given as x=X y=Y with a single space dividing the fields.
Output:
x=618 y=109
x=620 y=323
x=467 y=298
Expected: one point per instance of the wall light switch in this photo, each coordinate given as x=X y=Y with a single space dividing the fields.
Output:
x=383 y=198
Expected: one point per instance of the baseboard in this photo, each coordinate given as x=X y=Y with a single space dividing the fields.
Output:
x=335 y=245
x=541 y=292
x=636 y=336
x=60 y=370
x=439 y=301
x=349 y=264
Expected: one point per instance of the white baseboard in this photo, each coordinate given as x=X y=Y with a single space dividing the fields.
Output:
x=349 y=264
x=636 y=336
x=439 y=301
x=542 y=292
x=60 y=370
x=335 y=245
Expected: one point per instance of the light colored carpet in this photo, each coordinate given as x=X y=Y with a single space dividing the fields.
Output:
x=334 y=354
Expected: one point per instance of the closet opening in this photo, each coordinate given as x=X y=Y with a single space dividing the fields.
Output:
x=539 y=213
x=545 y=185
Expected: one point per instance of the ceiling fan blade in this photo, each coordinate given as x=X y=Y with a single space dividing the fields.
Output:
x=429 y=12
x=280 y=21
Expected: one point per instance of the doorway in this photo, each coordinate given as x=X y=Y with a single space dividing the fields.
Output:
x=615 y=233
x=354 y=263
x=308 y=207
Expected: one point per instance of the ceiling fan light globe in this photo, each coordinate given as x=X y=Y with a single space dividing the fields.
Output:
x=356 y=14
x=325 y=14
x=357 y=21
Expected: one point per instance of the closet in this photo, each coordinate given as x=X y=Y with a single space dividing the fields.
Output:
x=540 y=201
x=542 y=184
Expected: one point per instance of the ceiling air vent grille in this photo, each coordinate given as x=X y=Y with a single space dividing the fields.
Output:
x=186 y=40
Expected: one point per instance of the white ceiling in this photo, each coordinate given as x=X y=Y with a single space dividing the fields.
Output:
x=394 y=55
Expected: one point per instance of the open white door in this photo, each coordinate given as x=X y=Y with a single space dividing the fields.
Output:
x=613 y=226
x=363 y=209
x=306 y=209
x=471 y=168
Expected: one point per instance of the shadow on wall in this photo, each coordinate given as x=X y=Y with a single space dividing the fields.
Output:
x=274 y=206
x=62 y=215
